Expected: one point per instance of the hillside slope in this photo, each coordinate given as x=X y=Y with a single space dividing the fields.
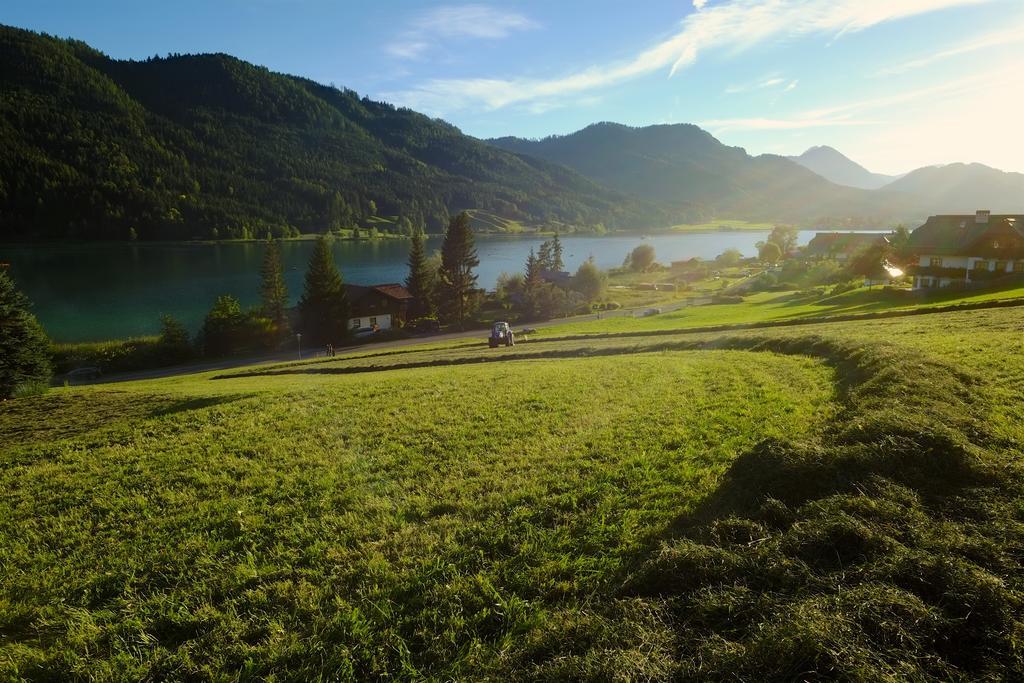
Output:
x=211 y=146
x=836 y=167
x=964 y=188
x=684 y=163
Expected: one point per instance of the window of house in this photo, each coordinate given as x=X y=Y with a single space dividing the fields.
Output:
x=1018 y=267
x=355 y=323
x=373 y=321
x=981 y=265
x=1000 y=266
x=935 y=262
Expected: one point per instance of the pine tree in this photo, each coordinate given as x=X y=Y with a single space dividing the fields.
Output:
x=273 y=290
x=544 y=258
x=24 y=347
x=458 y=259
x=420 y=281
x=556 y=254
x=324 y=307
x=532 y=285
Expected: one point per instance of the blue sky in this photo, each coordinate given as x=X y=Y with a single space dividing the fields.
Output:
x=894 y=84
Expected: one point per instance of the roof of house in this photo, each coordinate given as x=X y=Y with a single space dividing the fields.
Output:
x=391 y=290
x=829 y=243
x=957 y=234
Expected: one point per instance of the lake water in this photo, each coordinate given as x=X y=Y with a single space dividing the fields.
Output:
x=87 y=292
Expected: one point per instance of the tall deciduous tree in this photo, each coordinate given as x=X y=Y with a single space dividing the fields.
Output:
x=458 y=259
x=273 y=290
x=24 y=348
x=641 y=258
x=420 y=281
x=324 y=306
x=590 y=281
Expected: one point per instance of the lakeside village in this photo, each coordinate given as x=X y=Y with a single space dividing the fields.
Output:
x=947 y=252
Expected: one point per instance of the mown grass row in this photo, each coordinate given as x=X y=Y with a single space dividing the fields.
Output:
x=411 y=524
x=890 y=549
x=688 y=507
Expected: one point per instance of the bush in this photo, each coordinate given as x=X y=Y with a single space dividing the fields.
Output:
x=31 y=388
x=844 y=287
x=24 y=347
x=727 y=299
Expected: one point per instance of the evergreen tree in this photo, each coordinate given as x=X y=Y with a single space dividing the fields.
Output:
x=544 y=256
x=556 y=254
x=458 y=259
x=324 y=307
x=24 y=347
x=420 y=281
x=273 y=290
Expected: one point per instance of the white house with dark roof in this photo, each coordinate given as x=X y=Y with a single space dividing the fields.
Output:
x=960 y=249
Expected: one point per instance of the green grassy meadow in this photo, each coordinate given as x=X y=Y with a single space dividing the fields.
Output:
x=820 y=501
x=723 y=224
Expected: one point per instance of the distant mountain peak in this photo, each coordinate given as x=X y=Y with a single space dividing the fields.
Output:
x=833 y=165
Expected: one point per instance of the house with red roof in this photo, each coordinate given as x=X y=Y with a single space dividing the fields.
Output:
x=377 y=307
x=962 y=249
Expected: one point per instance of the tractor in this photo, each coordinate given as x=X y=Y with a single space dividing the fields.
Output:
x=501 y=333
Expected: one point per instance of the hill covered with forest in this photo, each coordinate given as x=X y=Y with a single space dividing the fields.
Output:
x=209 y=146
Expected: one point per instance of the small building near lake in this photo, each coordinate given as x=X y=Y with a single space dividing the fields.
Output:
x=378 y=307
x=954 y=250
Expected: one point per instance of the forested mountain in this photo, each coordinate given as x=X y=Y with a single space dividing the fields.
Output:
x=964 y=188
x=834 y=166
x=684 y=163
x=210 y=146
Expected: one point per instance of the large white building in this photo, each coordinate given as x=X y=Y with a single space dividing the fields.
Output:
x=959 y=249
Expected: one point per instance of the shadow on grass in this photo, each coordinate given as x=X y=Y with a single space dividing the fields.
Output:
x=59 y=415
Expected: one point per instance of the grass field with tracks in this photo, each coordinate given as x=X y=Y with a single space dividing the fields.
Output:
x=836 y=500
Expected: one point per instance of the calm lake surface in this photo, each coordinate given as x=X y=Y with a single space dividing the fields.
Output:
x=89 y=292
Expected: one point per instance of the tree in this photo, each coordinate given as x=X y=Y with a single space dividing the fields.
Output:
x=730 y=257
x=24 y=347
x=224 y=327
x=641 y=258
x=590 y=281
x=900 y=241
x=324 y=306
x=420 y=281
x=174 y=342
x=769 y=252
x=549 y=254
x=458 y=259
x=785 y=236
x=556 y=254
x=273 y=290
x=869 y=263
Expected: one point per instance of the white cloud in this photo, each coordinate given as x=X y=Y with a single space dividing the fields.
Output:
x=791 y=86
x=996 y=39
x=699 y=4
x=456 y=21
x=732 y=27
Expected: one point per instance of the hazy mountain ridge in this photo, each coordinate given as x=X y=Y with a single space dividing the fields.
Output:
x=682 y=162
x=834 y=166
x=212 y=146
x=963 y=188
